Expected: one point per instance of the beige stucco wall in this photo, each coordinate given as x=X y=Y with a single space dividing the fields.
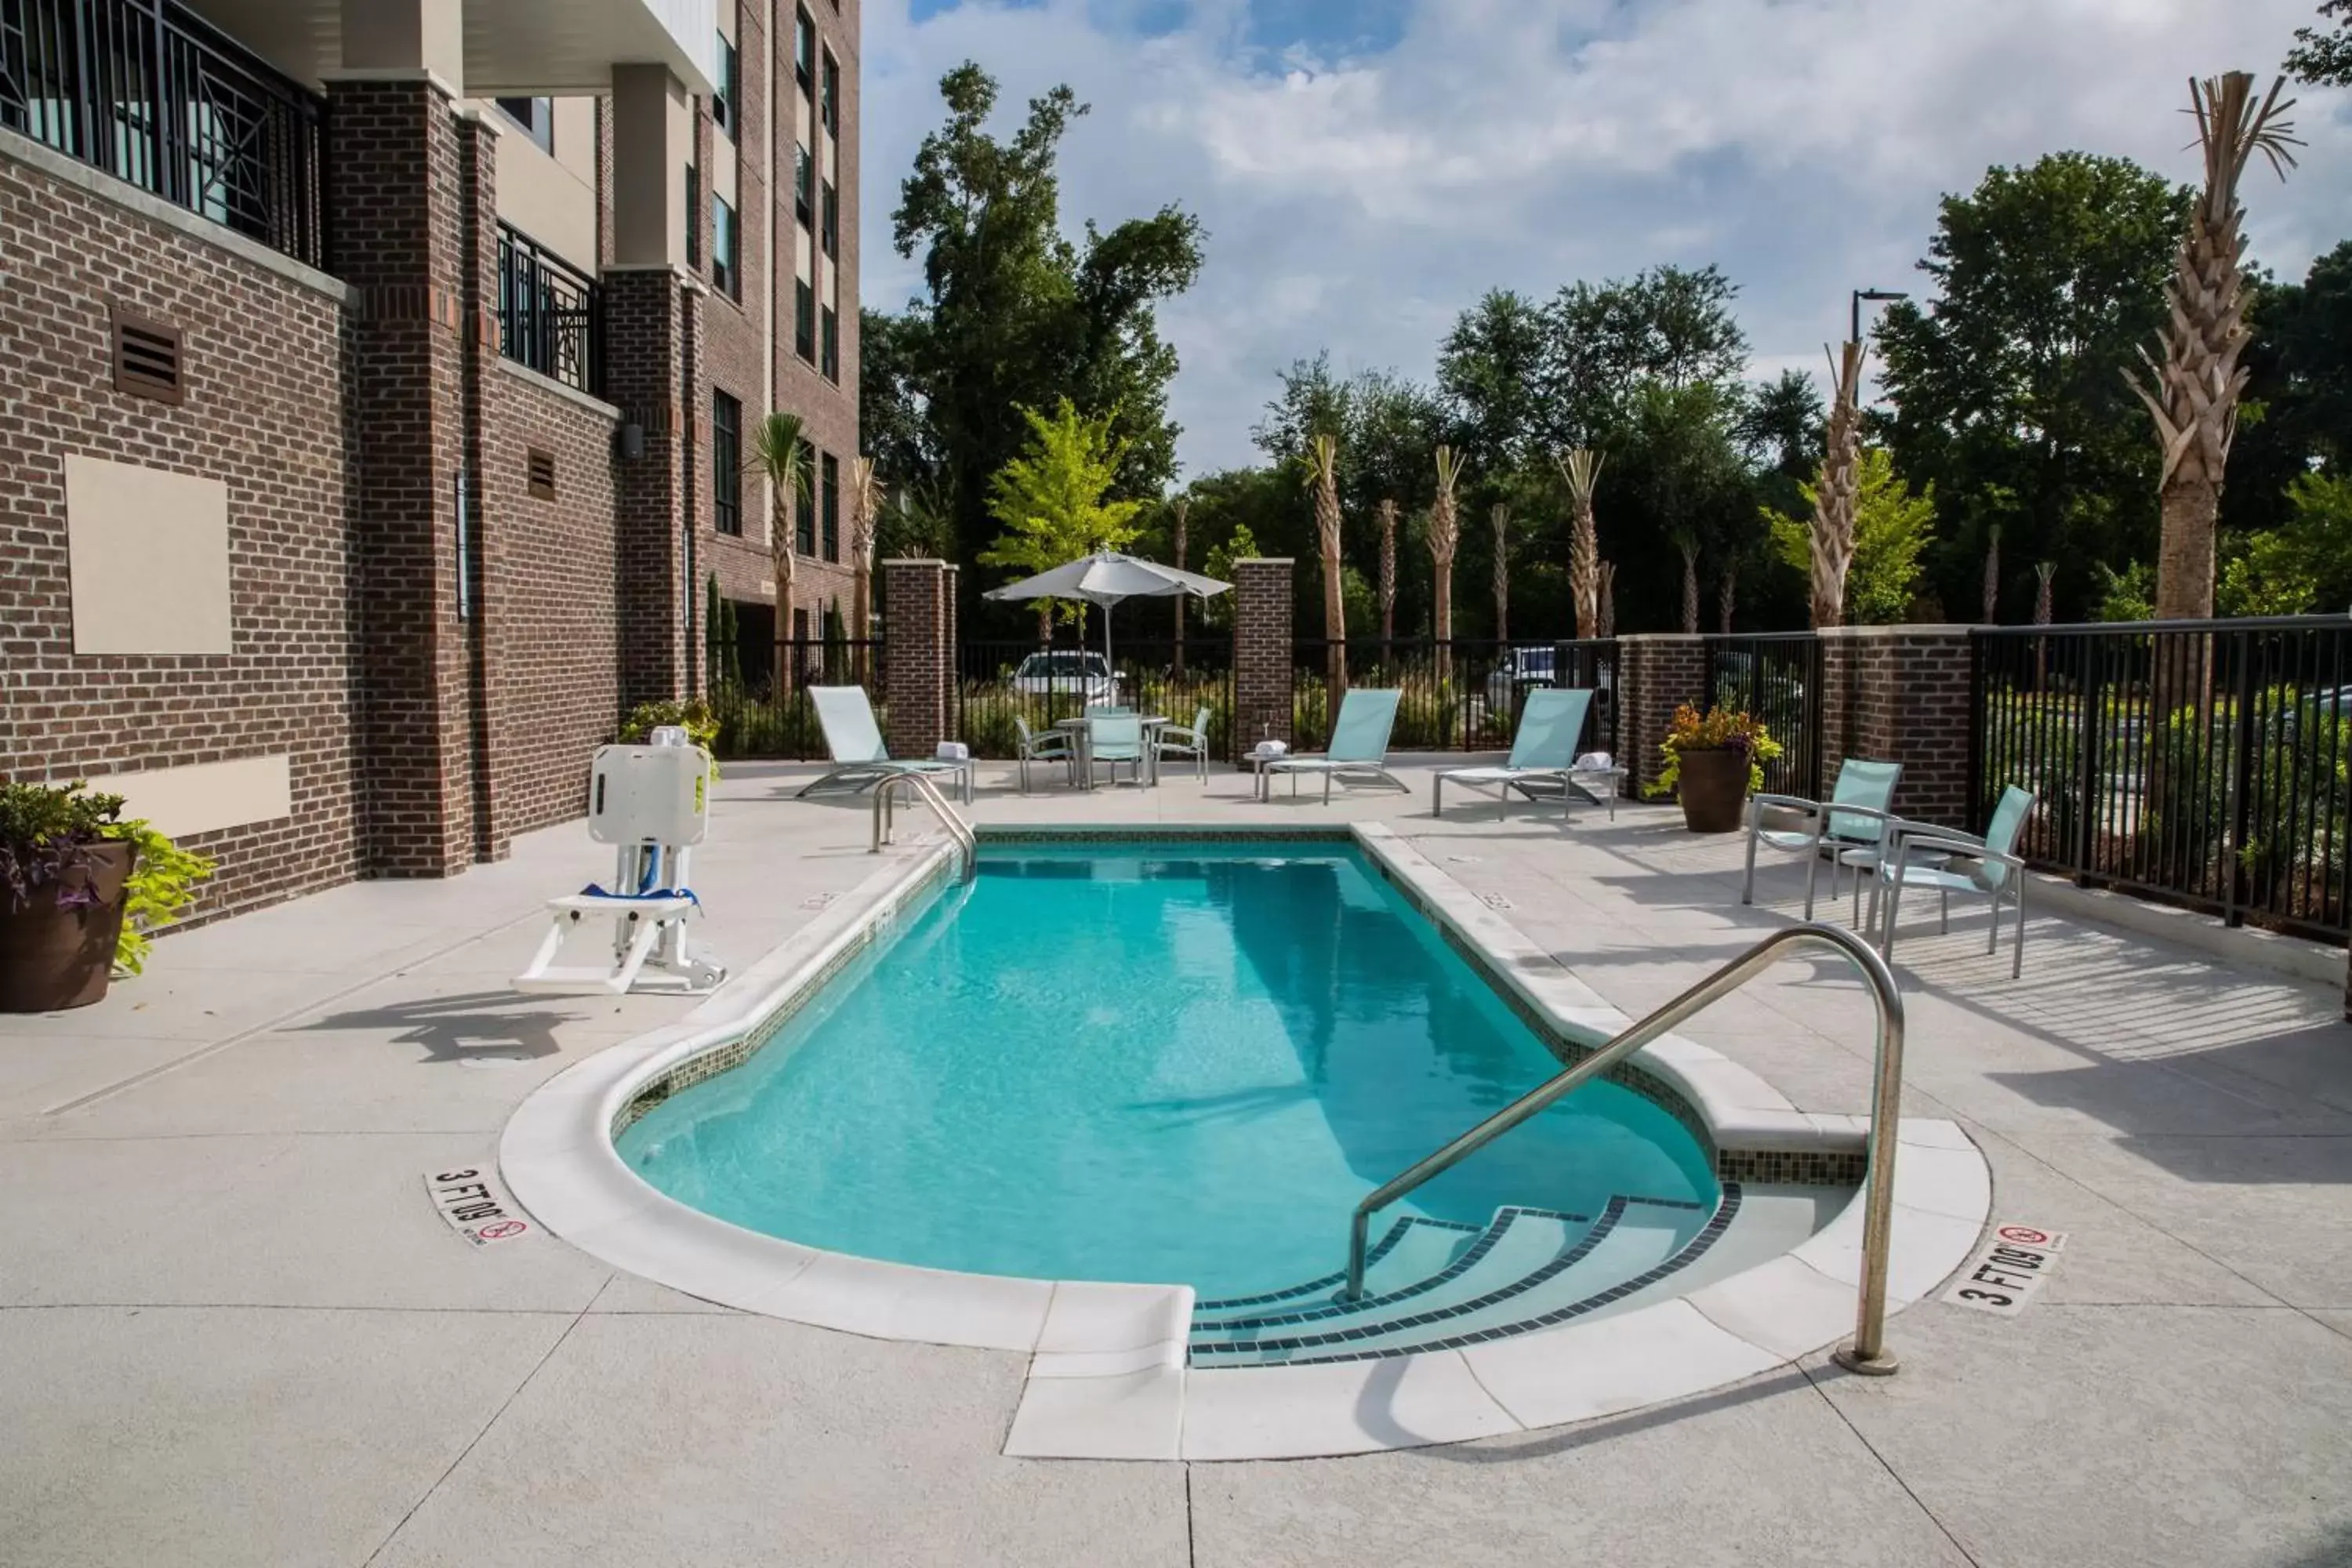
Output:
x=148 y=554
x=553 y=198
x=652 y=138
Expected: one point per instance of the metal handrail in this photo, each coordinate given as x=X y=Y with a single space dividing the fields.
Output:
x=967 y=842
x=1867 y=1353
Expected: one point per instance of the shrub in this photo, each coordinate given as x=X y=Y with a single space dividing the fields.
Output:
x=1716 y=729
x=47 y=831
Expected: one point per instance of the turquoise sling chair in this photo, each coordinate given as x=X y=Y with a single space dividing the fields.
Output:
x=1851 y=826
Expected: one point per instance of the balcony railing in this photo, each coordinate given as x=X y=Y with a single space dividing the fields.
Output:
x=151 y=94
x=549 y=313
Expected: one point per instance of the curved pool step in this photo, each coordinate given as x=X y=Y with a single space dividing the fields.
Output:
x=1530 y=1268
x=1414 y=1249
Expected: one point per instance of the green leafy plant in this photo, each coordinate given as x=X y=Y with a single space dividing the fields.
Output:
x=1716 y=729
x=161 y=891
x=47 y=831
x=695 y=717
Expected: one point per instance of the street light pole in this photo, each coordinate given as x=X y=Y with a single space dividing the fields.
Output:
x=1876 y=296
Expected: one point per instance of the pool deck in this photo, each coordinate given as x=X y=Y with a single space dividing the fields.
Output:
x=235 y=1331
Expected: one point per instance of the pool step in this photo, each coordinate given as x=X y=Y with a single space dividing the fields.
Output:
x=1528 y=1268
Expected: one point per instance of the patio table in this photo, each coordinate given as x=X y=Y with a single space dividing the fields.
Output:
x=1082 y=737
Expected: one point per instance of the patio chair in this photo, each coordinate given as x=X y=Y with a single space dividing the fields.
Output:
x=1359 y=748
x=1921 y=856
x=1113 y=739
x=860 y=760
x=1851 y=826
x=653 y=804
x=1052 y=746
x=1186 y=743
x=1544 y=749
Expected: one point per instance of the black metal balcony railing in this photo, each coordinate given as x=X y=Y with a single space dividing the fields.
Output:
x=549 y=313
x=148 y=92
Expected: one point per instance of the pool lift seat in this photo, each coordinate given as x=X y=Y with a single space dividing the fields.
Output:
x=653 y=805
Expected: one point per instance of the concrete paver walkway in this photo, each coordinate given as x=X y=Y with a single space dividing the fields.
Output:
x=236 y=1333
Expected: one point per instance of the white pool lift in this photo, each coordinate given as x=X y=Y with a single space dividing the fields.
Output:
x=652 y=803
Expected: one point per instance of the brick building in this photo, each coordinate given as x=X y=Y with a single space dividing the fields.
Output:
x=379 y=375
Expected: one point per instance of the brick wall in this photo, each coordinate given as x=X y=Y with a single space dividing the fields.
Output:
x=1262 y=653
x=1901 y=694
x=1656 y=673
x=265 y=413
x=918 y=659
x=650 y=323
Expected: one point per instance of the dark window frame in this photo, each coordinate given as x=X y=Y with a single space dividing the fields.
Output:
x=726 y=464
x=804 y=49
x=804 y=503
x=830 y=488
x=829 y=98
x=828 y=230
x=828 y=341
x=535 y=118
x=804 y=186
x=726 y=102
x=726 y=249
x=805 y=318
x=693 y=218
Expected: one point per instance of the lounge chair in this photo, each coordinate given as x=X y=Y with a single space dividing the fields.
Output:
x=1922 y=855
x=1185 y=744
x=1053 y=746
x=1851 y=826
x=1544 y=750
x=1359 y=748
x=860 y=760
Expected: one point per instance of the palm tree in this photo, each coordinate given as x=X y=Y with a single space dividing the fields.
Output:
x=1582 y=469
x=1502 y=517
x=1726 y=596
x=1388 y=516
x=2043 y=571
x=2195 y=400
x=780 y=454
x=1993 y=575
x=1840 y=489
x=1605 y=624
x=1445 y=539
x=1686 y=543
x=865 y=521
x=1180 y=509
x=1323 y=478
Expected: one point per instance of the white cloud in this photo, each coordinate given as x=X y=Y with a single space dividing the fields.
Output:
x=1358 y=203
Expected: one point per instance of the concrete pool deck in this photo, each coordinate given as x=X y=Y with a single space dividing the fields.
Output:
x=237 y=1332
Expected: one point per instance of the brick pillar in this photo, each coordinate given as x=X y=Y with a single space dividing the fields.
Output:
x=1262 y=653
x=491 y=640
x=1656 y=673
x=652 y=344
x=919 y=654
x=1901 y=694
x=394 y=197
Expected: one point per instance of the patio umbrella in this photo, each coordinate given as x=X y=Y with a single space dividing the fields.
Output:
x=1105 y=578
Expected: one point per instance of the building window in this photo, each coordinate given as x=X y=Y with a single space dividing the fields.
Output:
x=829 y=345
x=535 y=115
x=829 y=105
x=832 y=498
x=725 y=102
x=693 y=218
x=805 y=320
x=726 y=273
x=804 y=186
x=805 y=504
x=829 y=230
x=804 y=48
x=726 y=464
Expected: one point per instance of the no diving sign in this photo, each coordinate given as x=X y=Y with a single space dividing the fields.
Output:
x=476 y=1206
x=2006 y=1271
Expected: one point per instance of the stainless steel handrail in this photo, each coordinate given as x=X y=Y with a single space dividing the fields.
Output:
x=884 y=826
x=1866 y=1352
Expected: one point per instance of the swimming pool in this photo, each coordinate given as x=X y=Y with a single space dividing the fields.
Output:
x=1179 y=1063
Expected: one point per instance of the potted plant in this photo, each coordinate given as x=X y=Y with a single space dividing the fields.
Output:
x=1713 y=761
x=80 y=890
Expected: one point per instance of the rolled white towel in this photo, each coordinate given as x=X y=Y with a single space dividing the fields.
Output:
x=953 y=751
x=1272 y=749
x=1593 y=763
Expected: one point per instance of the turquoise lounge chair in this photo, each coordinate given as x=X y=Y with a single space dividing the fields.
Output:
x=1114 y=736
x=1544 y=749
x=860 y=760
x=1359 y=748
x=1851 y=826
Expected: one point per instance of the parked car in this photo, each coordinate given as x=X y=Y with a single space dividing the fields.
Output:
x=1523 y=670
x=1067 y=672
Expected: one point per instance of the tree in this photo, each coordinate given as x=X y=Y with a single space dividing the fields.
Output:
x=2195 y=402
x=1388 y=516
x=1491 y=369
x=1990 y=614
x=1053 y=499
x=2010 y=391
x=2304 y=565
x=1667 y=324
x=2325 y=59
x=1830 y=551
x=1581 y=467
x=865 y=522
x=1892 y=528
x=1179 y=513
x=1322 y=465
x=781 y=454
x=1501 y=518
x=1444 y=531
x=1014 y=316
x=2127 y=594
x=1241 y=546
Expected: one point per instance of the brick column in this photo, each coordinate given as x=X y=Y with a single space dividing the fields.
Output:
x=1901 y=694
x=394 y=196
x=1656 y=673
x=492 y=644
x=652 y=330
x=919 y=654
x=1262 y=653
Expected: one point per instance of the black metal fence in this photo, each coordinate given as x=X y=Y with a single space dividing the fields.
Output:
x=1777 y=678
x=1461 y=695
x=551 y=316
x=753 y=723
x=2200 y=763
x=153 y=94
x=1002 y=685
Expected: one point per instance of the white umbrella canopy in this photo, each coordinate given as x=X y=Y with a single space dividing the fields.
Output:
x=1105 y=578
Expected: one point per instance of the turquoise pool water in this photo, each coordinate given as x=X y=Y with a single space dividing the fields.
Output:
x=1179 y=1064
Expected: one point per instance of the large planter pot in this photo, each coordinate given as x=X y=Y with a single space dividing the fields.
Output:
x=1713 y=787
x=54 y=957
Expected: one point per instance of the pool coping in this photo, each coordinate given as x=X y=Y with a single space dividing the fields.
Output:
x=1108 y=1377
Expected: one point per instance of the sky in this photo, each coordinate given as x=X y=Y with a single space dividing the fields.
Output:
x=1366 y=169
